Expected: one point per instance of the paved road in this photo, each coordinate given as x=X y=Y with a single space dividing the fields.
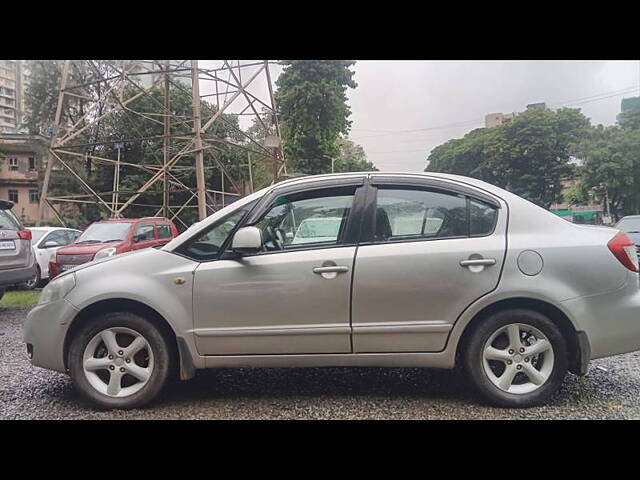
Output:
x=611 y=389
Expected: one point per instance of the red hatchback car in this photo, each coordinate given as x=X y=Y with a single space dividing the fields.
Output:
x=111 y=237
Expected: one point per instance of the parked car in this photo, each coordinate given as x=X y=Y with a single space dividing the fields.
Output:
x=486 y=280
x=45 y=242
x=631 y=226
x=17 y=263
x=107 y=238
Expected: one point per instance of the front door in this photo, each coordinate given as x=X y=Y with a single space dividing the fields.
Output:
x=291 y=298
x=430 y=253
x=143 y=236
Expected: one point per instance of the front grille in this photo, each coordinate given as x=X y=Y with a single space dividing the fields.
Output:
x=74 y=259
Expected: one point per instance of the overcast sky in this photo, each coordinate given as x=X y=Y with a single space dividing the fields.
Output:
x=446 y=99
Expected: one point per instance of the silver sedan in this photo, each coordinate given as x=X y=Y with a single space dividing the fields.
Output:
x=361 y=269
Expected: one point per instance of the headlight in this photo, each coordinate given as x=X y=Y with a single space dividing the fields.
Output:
x=57 y=288
x=105 y=252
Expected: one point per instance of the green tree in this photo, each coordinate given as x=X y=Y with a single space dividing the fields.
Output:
x=612 y=166
x=351 y=158
x=529 y=156
x=312 y=104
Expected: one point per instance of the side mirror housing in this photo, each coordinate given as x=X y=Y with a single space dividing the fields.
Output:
x=51 y=244
x=247 y=240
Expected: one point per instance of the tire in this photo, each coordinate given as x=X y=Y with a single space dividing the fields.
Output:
x=87 y=345
x=487 y=353
x=34 y=282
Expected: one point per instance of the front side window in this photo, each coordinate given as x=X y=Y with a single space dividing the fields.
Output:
x=59 y=237
x=144 y=233
x=405 y=214
x=208 y=245
x=306 y=219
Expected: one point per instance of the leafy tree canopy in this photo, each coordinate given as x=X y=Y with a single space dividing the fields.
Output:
x=312 y=103
x=529 y=156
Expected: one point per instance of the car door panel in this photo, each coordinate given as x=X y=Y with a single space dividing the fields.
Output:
x=274 y=304
x=408 y=294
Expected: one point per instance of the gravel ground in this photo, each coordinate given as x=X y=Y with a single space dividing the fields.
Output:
x=611 y=390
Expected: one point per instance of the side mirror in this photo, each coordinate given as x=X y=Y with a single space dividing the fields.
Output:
x=51 y=244
x=247 y=240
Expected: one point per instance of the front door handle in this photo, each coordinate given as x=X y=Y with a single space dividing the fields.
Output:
x=331 y=269
x=477 y=262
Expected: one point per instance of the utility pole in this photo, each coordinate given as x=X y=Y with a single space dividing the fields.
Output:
x=54 y=137
x=197 y=127
x=167 y=142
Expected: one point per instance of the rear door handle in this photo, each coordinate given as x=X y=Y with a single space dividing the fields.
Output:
x=331 y=269
x=477 y=262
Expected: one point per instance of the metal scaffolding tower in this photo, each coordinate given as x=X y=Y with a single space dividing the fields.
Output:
x=221 y=90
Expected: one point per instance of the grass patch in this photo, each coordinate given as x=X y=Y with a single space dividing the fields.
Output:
x=19 y=299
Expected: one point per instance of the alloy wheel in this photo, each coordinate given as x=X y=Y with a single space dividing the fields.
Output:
x=518 y=358
x=118 y=362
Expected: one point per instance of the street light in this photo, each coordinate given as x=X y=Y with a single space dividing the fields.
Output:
x=332 y=161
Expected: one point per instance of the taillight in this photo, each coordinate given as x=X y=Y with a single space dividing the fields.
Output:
x=624 y=250
x=24 y=234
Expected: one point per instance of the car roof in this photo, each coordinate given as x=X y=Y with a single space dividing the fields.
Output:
x=49 y=229
x=133 y=220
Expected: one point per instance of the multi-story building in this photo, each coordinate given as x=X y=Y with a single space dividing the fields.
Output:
x=628 y=104
x=12 y=80
x=493 y=120
x=20 y=159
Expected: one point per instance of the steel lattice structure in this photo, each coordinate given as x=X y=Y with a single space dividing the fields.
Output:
x=220 y=90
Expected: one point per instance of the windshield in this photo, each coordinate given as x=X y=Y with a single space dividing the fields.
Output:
x=104 y=232
x=36 y=235
x=629 y=224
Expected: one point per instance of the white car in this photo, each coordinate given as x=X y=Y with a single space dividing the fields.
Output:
x=45 y=241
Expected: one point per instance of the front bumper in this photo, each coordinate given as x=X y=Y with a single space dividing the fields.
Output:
x=44 y=331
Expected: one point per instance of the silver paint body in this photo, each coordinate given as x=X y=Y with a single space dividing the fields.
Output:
x=400 y=304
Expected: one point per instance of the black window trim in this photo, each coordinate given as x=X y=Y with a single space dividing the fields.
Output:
x=369 y=218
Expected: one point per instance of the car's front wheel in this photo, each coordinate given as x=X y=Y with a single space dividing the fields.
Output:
x=120 y=360
x=516 y=358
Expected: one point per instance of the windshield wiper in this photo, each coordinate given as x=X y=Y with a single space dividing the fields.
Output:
x=114 y=240
x=90 y=241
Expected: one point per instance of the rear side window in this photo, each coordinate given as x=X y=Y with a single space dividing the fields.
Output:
x=404 y=214
x=8 y=221
x=164 y=230
x=483 y=217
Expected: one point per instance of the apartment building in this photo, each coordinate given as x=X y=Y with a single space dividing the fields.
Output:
x=20 y=162
x=493 y=120
x=12 y=79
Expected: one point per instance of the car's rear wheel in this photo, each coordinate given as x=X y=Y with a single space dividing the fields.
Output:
x=120 y=360
x=516 y=358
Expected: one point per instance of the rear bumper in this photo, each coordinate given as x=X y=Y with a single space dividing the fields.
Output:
x=17 y=275
x=611 y=321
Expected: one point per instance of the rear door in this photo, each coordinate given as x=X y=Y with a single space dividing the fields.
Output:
x=163 y=233
x=14 y=251
x=427 y=252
